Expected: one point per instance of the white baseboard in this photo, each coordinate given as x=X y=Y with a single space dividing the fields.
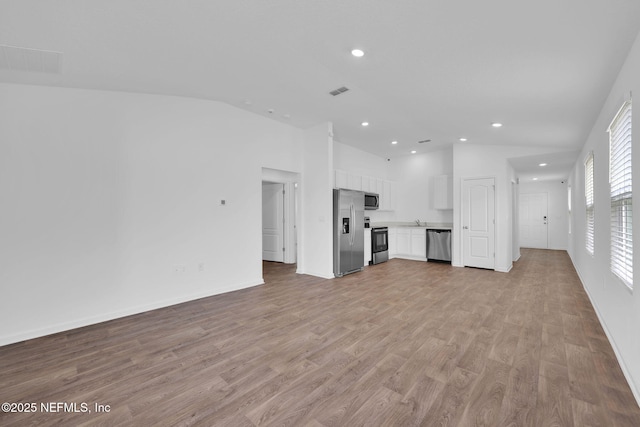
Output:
x=312 y=273
x=504 y=269
x=410 y=257
x=104 y=317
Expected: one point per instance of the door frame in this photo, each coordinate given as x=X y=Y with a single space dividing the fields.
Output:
x=546 y=193
x=462 y=207
x=290 y=181
x=280 y=208
x=515 y=223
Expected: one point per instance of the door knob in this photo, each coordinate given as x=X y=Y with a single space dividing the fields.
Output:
x=466 y=227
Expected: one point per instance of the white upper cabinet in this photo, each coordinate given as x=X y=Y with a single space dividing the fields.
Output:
x=369 y=184
x=442 y=192
x=341 y=179
x=355 y=182
x=385 y=190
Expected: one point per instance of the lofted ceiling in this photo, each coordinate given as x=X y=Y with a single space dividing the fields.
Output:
x=433 y=69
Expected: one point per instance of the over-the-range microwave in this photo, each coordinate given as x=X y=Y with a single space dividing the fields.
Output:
x=371 y=201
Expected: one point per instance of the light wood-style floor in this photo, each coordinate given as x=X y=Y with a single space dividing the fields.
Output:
x=403 y=343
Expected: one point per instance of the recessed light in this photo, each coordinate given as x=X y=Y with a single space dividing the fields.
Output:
x=542 y=164
x=463 y=139
x=394 y=142
x=413 y=151
x=365 y=124
x=535 y=179
x=357 y=53
x=496 y=125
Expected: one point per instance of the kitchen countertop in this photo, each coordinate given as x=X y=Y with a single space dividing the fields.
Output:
x=424 y=225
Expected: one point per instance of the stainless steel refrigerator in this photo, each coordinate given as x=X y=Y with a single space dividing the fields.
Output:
x=348 y=237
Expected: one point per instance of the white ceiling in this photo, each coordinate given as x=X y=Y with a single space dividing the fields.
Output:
x=433 y=69
x=555 y=166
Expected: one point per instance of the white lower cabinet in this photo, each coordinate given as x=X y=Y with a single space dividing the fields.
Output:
x=367 y=246
x=419 y=243
x=408 y=242
x=392 y=242
x=404 y=241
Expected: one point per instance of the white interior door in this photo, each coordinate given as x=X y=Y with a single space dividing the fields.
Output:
x=533 y=220
x=478 y=222
x=273 y=222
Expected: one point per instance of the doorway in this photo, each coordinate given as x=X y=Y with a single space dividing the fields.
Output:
x=478 y=223
x=533 y=220
x=273 y=222
x=279 y=216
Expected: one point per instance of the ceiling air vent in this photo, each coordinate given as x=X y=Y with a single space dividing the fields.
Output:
x=339 y=91
x=423 y=141
x=25 y=59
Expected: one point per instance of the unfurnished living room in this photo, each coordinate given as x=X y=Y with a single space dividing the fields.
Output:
x=248 y=213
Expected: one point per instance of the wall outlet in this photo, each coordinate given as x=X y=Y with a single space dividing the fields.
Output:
x=179 y=268
x=201 y=266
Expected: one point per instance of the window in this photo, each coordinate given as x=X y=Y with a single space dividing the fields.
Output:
x=621 y=195
x=588 y=194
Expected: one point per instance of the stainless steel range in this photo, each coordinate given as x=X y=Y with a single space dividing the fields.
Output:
x=379 y=245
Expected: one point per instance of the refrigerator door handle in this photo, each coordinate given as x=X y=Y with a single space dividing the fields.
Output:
x=353 y=222
x=353 y=236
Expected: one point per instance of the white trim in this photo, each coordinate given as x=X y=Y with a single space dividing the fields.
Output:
x=321 y=275
x=504 y=270
x=617 y=116
x=410 y=257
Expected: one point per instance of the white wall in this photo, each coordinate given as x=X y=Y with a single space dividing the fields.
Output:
x=414 y=189
x=105 y=194
x=317 y=196
x=353 y=160
x=617 y=307
x=557 y=210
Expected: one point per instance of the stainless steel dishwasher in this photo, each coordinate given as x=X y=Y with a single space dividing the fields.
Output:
x=438 y=245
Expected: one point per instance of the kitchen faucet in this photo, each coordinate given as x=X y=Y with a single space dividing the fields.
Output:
x=418 y=222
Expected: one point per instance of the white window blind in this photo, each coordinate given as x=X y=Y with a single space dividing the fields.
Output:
x=588 y=194
x=621 y=195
